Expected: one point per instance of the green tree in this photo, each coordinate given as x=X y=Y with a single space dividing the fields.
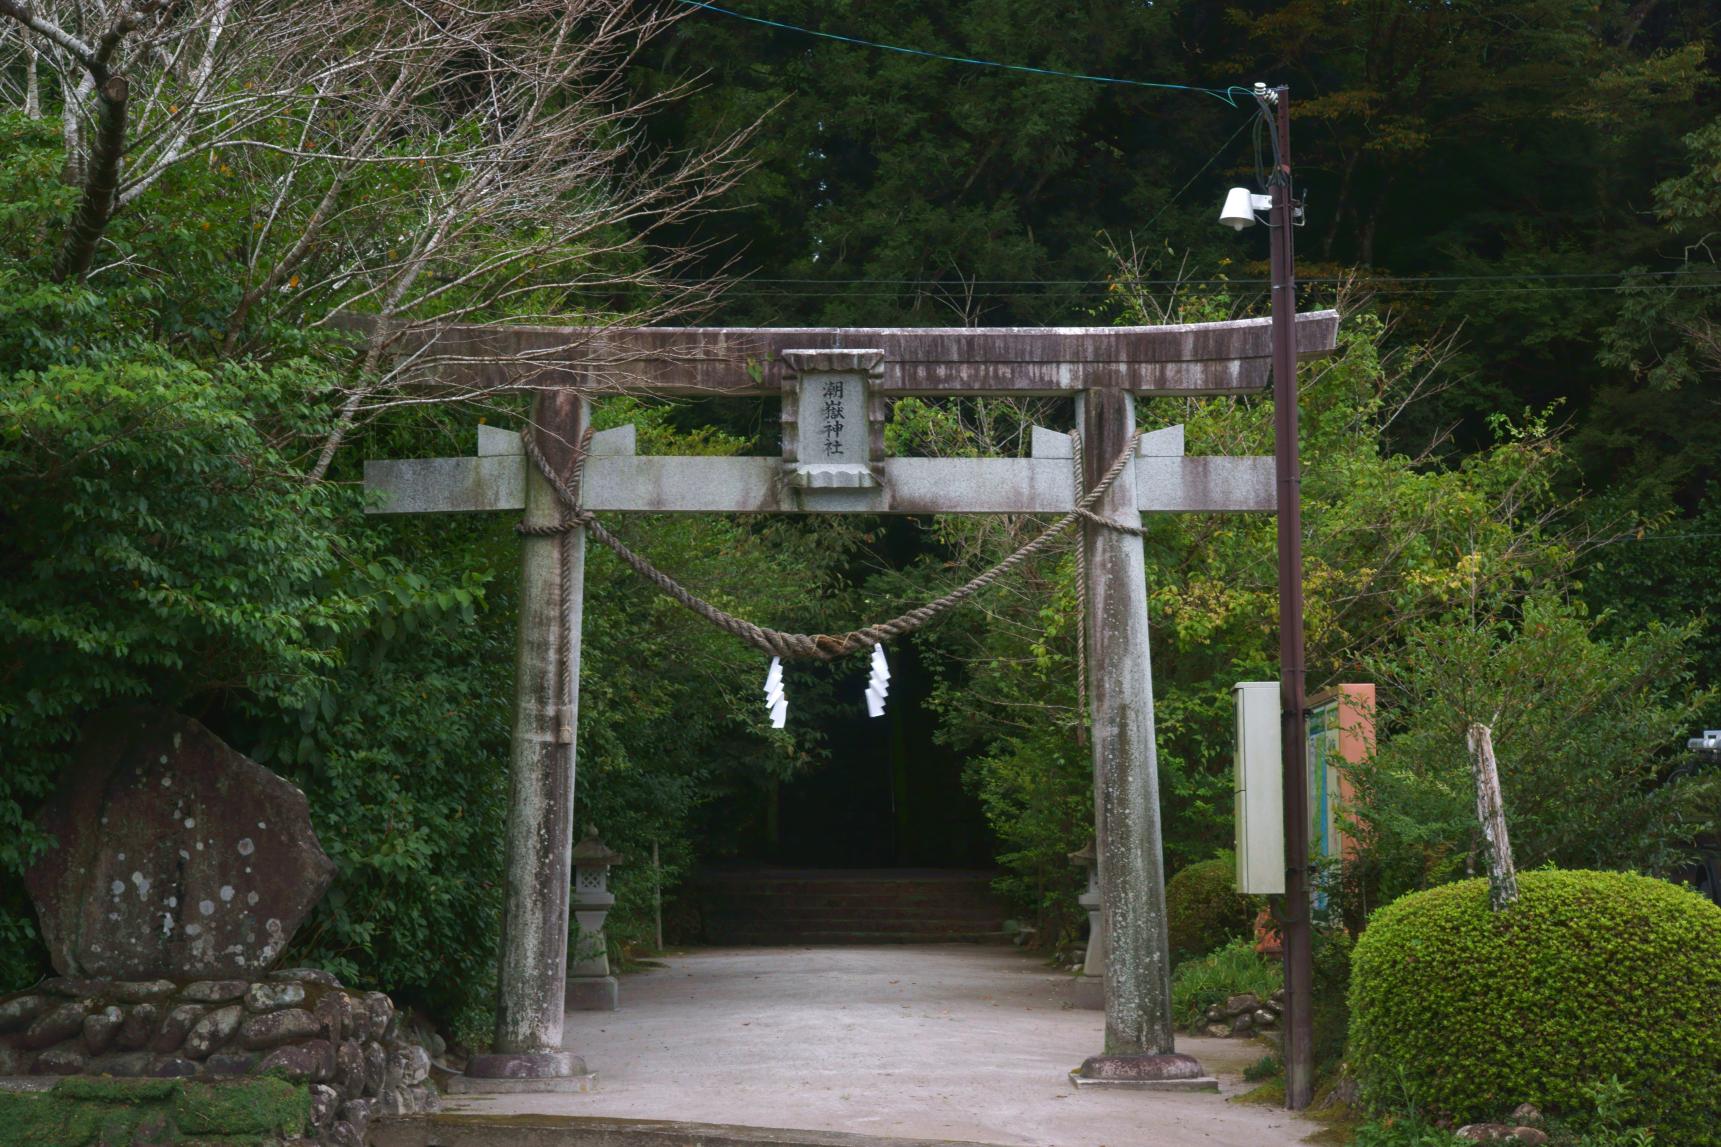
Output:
x=1586 y=731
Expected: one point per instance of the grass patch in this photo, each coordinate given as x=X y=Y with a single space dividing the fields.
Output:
x=1268 y=1094
x=1236 y=968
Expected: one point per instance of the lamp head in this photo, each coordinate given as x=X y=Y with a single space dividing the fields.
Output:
x=1240 y=207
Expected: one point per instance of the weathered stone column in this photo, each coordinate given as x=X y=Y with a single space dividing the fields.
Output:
x=1138 y=1025
x=534 y=951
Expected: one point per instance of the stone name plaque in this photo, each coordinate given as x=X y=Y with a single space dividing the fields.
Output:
x=830 y=433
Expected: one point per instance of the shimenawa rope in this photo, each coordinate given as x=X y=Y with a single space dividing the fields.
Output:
x=776 y=642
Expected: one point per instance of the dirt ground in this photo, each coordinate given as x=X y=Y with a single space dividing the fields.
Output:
x=941 y=1041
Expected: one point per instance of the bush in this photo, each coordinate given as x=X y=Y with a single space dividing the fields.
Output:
x=1203 y=908
x=1466 y=1013
x=1331 y=1015
x=1236 y=968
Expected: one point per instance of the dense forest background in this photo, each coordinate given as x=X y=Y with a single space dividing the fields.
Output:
x=1511 y=461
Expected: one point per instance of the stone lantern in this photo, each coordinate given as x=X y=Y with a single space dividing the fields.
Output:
x=1090 y=988
x=591 y=988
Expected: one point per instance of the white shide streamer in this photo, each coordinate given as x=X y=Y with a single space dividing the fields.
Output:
x=775 y=702
x=878 y=684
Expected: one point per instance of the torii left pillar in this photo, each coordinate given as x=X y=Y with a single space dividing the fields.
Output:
x=533 y=963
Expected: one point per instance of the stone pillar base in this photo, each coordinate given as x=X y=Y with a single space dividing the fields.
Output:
x=1170 y=1072
x=524 y=1071
x=1089 y=993
x=592 y=993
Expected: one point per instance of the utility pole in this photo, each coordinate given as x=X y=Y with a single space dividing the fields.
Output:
x=1293 y=690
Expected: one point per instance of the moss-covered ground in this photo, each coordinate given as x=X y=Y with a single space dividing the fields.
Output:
x=99 y=1111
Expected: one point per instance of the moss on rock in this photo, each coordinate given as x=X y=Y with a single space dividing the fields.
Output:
x=103 y=1112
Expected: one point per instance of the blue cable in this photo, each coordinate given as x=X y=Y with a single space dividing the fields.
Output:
x=1217 y=93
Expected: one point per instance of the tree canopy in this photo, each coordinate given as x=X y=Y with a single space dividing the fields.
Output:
x=213 y=276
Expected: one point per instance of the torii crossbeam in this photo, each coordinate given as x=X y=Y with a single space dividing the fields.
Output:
x=836 y=385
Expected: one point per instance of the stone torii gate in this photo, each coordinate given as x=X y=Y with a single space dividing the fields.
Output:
x=836 y=384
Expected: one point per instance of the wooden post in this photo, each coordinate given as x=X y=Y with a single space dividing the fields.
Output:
x=532 y=977
x=1491 y=812
x=1138 y=1029
x=657 y=895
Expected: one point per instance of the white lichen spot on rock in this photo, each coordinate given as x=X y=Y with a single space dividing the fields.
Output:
x=262 y=824
x=226 y=893
x=142 y=883
x=119 y=888
x=190 y=822
x=193 y=929
x=172 y=902
x=206 y=907
x=167 y=923
x=246 y=848
x=251 y=898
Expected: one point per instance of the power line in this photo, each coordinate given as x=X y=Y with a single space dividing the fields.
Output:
x=1166 y=206
x=1252 y=285
x=1510 y=276
x=1217 y=93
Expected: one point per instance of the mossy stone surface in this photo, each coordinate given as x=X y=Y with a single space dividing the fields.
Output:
x=98 y=1112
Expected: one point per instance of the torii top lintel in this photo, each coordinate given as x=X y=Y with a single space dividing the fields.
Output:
x=1190 y=359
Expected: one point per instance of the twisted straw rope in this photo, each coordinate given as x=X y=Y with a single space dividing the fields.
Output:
x=776 y=642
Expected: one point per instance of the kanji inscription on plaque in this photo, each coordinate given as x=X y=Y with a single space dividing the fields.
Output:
x=828 y=440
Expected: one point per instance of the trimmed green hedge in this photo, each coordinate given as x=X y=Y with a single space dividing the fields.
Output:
x=1590 y=976
x=1203 y=908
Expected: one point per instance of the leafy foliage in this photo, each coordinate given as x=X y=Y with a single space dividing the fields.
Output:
x=1203 y=908
x=1589 y=975
x=1584 y=732
x=1229 y=970
x=159 y=547
x=163 y=543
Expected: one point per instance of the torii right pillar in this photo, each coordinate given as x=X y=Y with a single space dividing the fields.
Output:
x=1139 y=1049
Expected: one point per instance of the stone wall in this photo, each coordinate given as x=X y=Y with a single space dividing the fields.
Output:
x=298 y=1025
x=1243 y=1015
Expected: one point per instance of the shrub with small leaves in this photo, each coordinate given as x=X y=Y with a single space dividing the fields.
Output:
x=1466 y=1012
x=1203 y=908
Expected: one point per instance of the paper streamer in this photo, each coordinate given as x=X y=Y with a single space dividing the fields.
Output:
x=775 y=702
x=878 y=684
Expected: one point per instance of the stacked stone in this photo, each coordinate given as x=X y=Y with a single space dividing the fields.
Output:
x=1243 y=1015
x=299 y=1024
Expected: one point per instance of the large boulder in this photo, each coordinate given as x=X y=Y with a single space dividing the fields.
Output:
x=178 y=857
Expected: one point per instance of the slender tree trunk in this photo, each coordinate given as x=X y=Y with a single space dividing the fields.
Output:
x=32 y=79
x=101 y=181
x=1491 y=812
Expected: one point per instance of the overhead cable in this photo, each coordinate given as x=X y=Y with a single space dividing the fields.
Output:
x=1225 y=94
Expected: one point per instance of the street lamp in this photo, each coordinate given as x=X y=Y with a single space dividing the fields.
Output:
x=1241 y=206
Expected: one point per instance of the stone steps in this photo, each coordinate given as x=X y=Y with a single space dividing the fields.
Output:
x=839 y=906
x=857 y=939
